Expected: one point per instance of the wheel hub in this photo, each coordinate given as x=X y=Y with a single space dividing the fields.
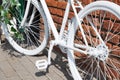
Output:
x=100 y=52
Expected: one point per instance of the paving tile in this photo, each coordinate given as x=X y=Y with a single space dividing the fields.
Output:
x=7 y=69
x=14 y=66
x=14 y=78
x=2 y=76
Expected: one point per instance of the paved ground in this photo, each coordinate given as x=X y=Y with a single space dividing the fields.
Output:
x=15 y=66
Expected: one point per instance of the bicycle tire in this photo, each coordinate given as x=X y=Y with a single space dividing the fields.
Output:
x=32 y=37
x=105 y=16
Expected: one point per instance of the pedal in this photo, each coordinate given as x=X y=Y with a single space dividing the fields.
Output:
x=41 y=64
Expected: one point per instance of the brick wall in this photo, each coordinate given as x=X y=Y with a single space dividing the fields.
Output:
x=57 y=8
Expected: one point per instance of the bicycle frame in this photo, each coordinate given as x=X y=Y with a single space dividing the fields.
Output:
x=66 y=44
x=82 y=23
x=58 y=36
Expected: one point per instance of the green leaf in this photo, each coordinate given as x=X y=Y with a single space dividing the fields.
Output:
x=2 y=12
x=7 y=21
x=4 y=1
x=21 y=7
x=13 y=29
x=20 y=36
x=13 y=8
x=16 y=35
x=1 y=7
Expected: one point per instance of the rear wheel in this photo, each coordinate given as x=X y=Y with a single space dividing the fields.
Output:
x=31 y=35
x=101 y=25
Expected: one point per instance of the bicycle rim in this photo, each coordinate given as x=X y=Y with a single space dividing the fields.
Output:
x=32 y=36
x=103 y=61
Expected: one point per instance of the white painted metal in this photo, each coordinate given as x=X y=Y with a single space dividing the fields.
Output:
x=70 y=54
x=41 y=64
x=58 y=38
x=32 y=16
x=49 y=19
x=69 y=44
x=101 y=50
x=18 y=47
x=79 y=24
x=26 y=13
x=65 y=18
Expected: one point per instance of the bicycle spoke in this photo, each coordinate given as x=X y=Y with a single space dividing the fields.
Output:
x=99 y=25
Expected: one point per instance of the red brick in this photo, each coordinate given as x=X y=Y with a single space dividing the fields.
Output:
x=61 y=5
x=116 y=28
x=51 y=3
x=86 y=1
x=107 y=24
x=57 y=19
x=111 y=16
x=71 y=15
x=79 y=34
x=78 y=54
x=117 y=2
x=109 y=45
x=116 y=50
x=57 y=8
x=56 y=11
x=113 y=38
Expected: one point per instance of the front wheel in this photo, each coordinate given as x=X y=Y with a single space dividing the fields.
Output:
x=101 y=26
x=27 y=35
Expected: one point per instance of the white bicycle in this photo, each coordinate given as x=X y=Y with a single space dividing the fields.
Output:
x=91 y=41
